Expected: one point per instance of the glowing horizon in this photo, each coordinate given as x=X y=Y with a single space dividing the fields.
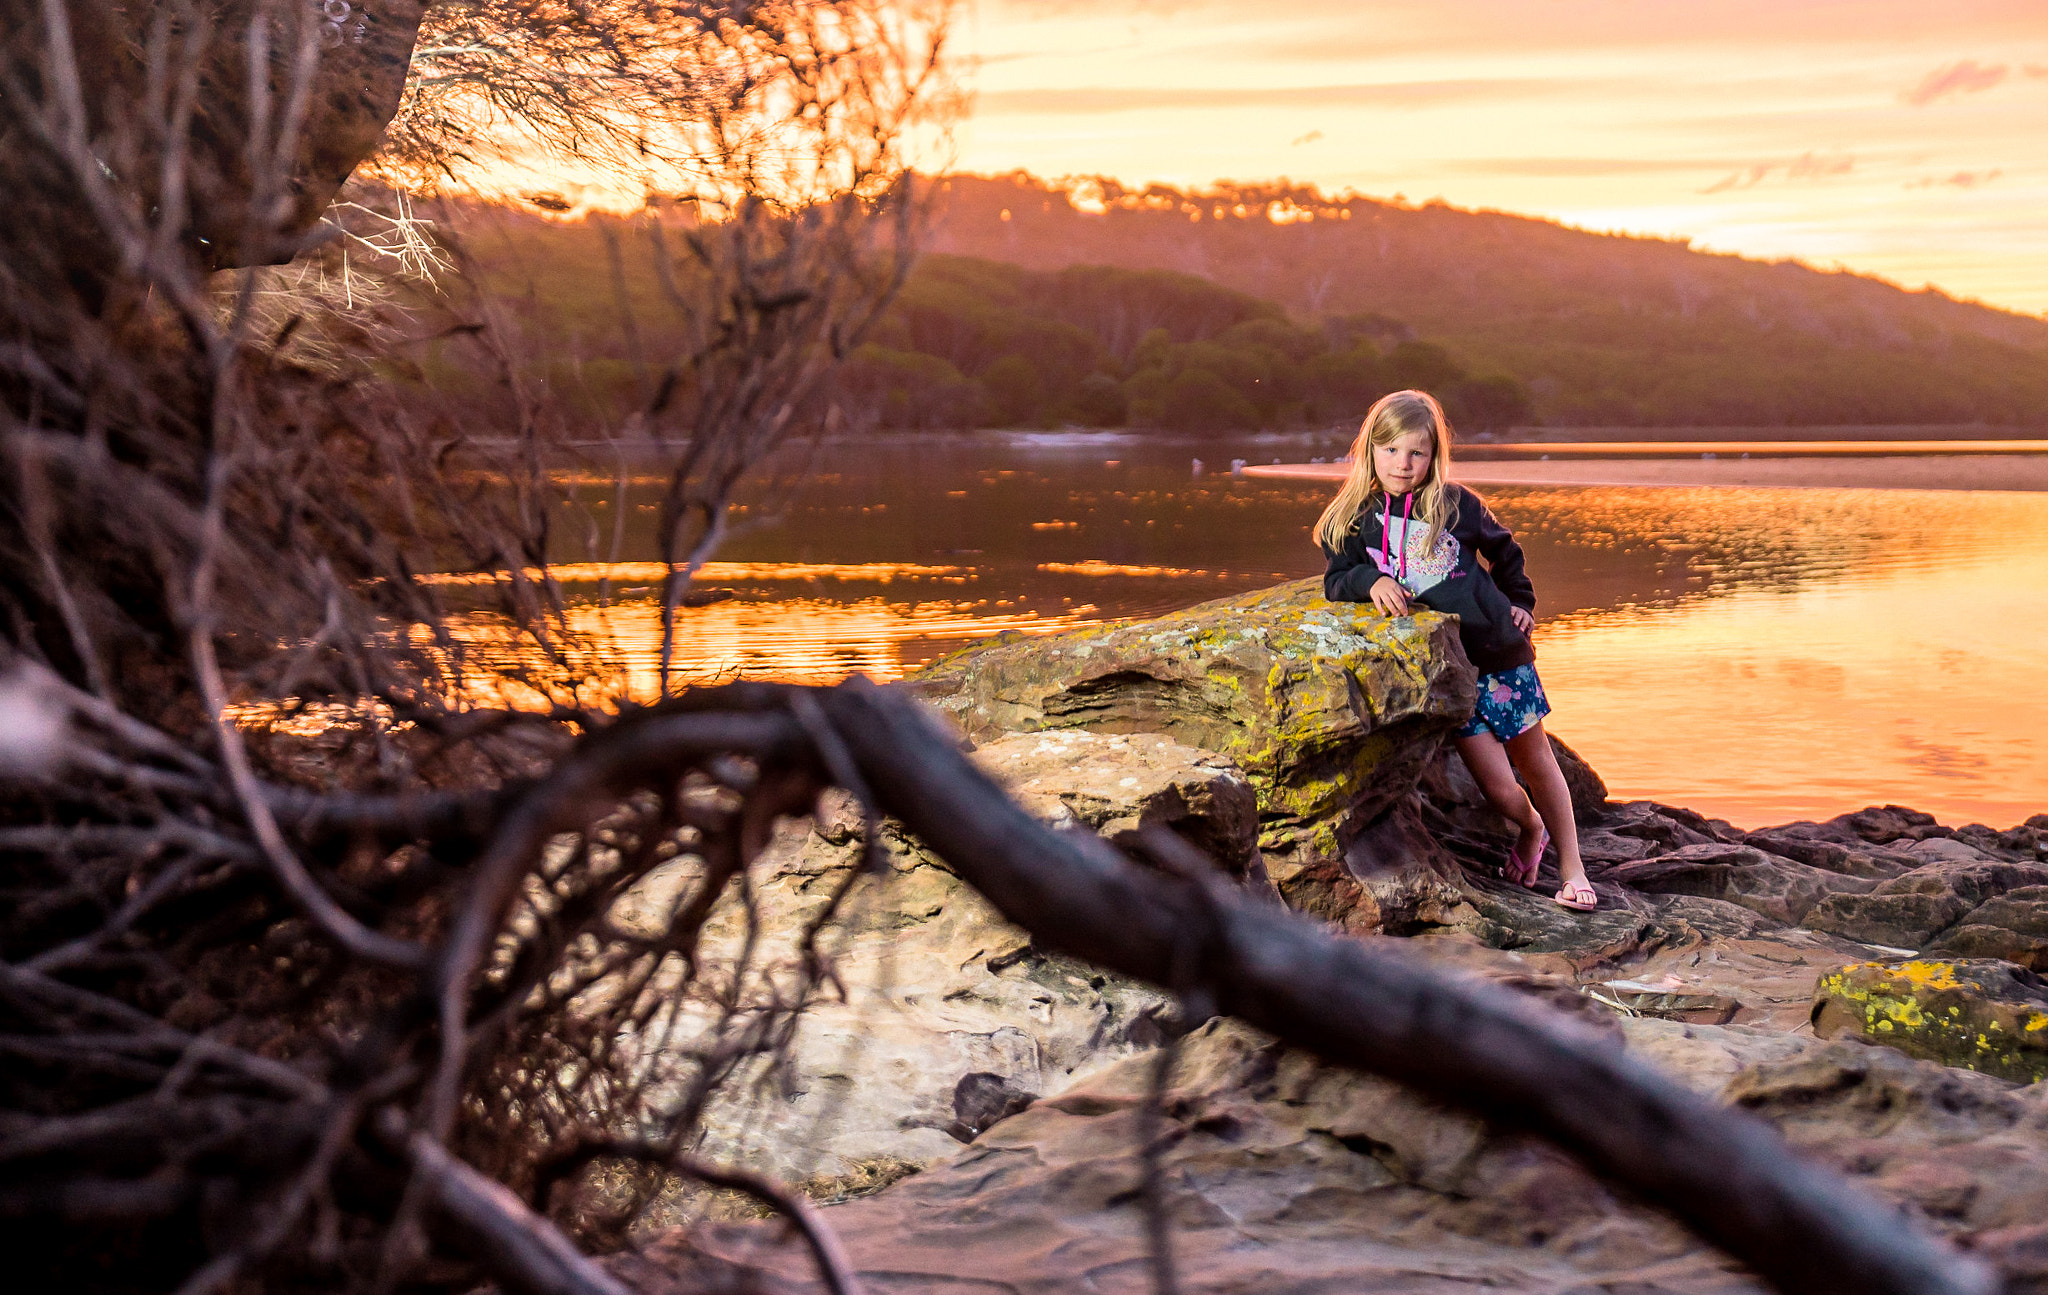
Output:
x=1883 y=137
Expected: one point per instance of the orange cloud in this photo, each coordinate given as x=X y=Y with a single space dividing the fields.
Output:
x=1966 y=77
x=1959 y=180
x=1812 y=166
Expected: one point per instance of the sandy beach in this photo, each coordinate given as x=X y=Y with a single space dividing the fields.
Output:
x=1906 y=472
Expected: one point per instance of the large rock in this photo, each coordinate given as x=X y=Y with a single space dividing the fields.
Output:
x=1285 y=1177
x=2013 y=926
x=950 y=1018
x=1815 y=846
x=1282 y=1177
x=1910 y=909
x=1331 y=709
x=1780 y=889
x=1119 y=785
x=1986 y=1016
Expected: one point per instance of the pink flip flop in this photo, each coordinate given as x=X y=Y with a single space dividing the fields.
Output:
x=1523 y=872
x=1582 y=899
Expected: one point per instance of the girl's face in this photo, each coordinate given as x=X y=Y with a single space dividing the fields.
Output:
x=1403 y=463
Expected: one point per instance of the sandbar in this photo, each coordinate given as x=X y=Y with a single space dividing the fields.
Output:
x=1905 y=472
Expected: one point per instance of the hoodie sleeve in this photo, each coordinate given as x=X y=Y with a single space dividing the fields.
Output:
x=1496 y=543
x=1352 y=573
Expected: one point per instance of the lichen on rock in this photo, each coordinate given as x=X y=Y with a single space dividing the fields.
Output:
x=1980 y=1015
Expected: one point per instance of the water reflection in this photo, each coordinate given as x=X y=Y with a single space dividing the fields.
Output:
x=1758 y=654
x=798 y=640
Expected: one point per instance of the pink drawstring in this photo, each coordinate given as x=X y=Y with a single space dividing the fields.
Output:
x=1386 y=526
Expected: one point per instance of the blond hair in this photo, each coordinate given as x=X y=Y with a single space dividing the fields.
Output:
x=1390 y=418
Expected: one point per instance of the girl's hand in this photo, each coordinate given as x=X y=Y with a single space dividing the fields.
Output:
x=1390 y=597
x=1524 y=621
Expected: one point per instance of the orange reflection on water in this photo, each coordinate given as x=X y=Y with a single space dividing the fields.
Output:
x=1097 y=567
x=1856 y=654
x=1778 y=448
x=793 y=640
x=647 y=573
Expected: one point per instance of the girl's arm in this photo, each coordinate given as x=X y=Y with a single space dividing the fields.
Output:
x=1496 y=543
x=1352 y=572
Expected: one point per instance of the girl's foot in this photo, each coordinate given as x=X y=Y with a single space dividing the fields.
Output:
x=1577 y=896
x=1521 y=868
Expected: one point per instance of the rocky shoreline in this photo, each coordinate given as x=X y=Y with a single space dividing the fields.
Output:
x=1300 y=744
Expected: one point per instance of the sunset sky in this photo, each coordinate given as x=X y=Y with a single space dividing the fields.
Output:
x=1906 y=139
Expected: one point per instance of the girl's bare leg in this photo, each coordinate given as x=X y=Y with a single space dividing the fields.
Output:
x=1488 y=760
x=1531 y=755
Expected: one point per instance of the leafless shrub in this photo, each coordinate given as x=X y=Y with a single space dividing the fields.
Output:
x=264 y=961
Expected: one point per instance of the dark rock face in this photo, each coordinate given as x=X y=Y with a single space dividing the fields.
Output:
x=1783 y=890
x=1813 y=845
x=1909 y=910
x=2013 y=926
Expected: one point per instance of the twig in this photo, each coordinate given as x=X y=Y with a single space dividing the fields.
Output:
x=520 y=1248
x=834 y=1268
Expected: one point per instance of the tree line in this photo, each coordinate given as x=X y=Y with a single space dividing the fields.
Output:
x=973 y=343
x=1602 y=329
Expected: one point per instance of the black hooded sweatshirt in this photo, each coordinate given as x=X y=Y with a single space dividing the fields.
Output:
x=1386 y=539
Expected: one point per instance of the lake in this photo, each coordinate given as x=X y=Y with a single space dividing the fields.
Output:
x=1758 y=654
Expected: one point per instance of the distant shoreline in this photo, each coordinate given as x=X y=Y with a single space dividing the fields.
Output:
x=1840 y=432
x=2014 y=472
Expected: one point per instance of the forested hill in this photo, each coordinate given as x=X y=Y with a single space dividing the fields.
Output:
x=970 y=343
x=1603 y=329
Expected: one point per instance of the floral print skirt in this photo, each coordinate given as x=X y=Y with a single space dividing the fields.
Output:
x=1511 y=703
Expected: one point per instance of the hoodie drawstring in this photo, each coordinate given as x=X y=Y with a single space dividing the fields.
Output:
x=1386 y=528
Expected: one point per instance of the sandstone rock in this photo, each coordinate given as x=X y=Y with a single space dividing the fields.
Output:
x=1392 y=879
x=1980 y=1015
x=1706 y=1057
x=1936 y=849
x=1779 y=889
x=1647 y=1000
x=951 y=1019
x=1880 y=824
x=1908 y=910
x=1817 y=847
x=1283 y=1177
x=1841 y=1091
x=1117 y=785
x=1707 y=920
x=1664 y=826
x=1329 y=708
x=1966 y=1152
x=1525 y=921
x=1288 y=1178
x=2013 y=926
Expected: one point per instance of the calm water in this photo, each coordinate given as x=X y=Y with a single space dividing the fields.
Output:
x=1759 y=655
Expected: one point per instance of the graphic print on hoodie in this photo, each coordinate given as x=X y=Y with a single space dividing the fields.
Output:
x=1444 y=577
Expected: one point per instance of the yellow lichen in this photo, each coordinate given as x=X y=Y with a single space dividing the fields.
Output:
x=1931 y=975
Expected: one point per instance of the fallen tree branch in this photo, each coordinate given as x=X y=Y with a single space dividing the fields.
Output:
x=834 y=1269
x=1727 y=1175
x=520 y=1248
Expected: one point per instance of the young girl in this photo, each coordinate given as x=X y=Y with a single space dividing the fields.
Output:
x=1402 y=531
